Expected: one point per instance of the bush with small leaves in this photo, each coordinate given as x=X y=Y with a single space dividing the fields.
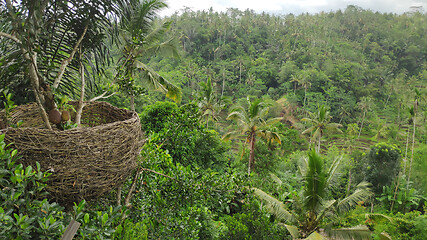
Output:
x=23 y=215
x=382 y=164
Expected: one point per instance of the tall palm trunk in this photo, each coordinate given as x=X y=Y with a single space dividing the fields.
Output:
x=406 y=151
x=223 y=84
x=252 y=153
x=132 y=102
x=318 y=144
x=412 y=154
x=361 y=126
x=305 y=96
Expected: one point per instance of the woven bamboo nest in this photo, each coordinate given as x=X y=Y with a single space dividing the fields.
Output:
x=85 y=162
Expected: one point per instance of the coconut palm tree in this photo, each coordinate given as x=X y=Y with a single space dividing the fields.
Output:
x=303 y=80
x=320 y=122
x=45 y=46
x=208 y=104
x=365 y=105
x=311 y=206
x=252 y=123
x=141 y=37
x=413 y=111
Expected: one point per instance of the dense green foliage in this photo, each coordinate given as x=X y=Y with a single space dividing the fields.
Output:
x=187 y=141
x=382 y=164
x=343 y=55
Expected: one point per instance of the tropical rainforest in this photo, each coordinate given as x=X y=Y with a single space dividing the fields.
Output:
x=256 y=125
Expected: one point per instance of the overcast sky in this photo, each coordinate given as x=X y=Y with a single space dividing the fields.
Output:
x=295 y=6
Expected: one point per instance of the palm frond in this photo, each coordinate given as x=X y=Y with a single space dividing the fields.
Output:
x=236 y=115
x=276 y=179
x=307 y=120
x=269 y=136
x=333 y=169
x=315 y=236
x=275 y=206
x=361 y=232
x=385 y=236
x=334 y=127
x=317 y=132
x=315 y=182
x=231 y=135
x=158 y=32
x=308 y=130
x=272 y=121
x=293 y=230
x=167 y=48
x=153 y=80
x=324 y=208
x=361 y=194
x=371 y=215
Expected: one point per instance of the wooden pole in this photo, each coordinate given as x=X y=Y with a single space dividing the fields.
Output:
x=71 y=230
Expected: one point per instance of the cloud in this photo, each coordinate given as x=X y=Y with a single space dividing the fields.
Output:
x=294 y=6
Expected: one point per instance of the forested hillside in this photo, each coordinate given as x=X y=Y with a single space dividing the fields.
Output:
x=256 y=126
x=334 y=58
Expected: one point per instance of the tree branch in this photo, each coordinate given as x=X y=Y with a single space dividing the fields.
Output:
x=149 y=170
x=10 y=8
x=68 y=60
x=6 y=35
x=82 y=91
x=131 y=189
x=102 y=96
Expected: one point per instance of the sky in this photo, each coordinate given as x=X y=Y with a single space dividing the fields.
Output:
x=295 y=6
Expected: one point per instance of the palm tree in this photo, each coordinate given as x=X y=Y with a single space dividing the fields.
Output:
x=303 y=80
x=208 y=104
x=365 y=105
x=47 y=47
x=320 y=122
x=207 y=100
x=142 y=38
x=252 y=123
x=311 y=206
x=413 y=112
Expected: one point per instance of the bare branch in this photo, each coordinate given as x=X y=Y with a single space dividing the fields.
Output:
x=68 y=60
x=102 y=96
x=6 y=35
x=149 y=170
x=132 y=188
x=82 y=91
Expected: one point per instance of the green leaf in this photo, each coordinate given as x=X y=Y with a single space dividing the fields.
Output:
x=104 y=218
x=86 y=218
x=315 y=236
x=13 y=153
x=293 y=230
x=28 y=171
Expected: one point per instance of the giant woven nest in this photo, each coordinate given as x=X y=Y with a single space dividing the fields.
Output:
x=85 y=162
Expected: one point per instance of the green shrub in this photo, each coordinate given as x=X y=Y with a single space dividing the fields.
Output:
x=252 y=223
x=178 y=130
x=399 y=226
x=22 y=214
x=382 y=164
x=419 y=169
x=154 y=117
x=179 y=202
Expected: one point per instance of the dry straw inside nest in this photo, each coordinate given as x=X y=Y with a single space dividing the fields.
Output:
x=85 y=162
